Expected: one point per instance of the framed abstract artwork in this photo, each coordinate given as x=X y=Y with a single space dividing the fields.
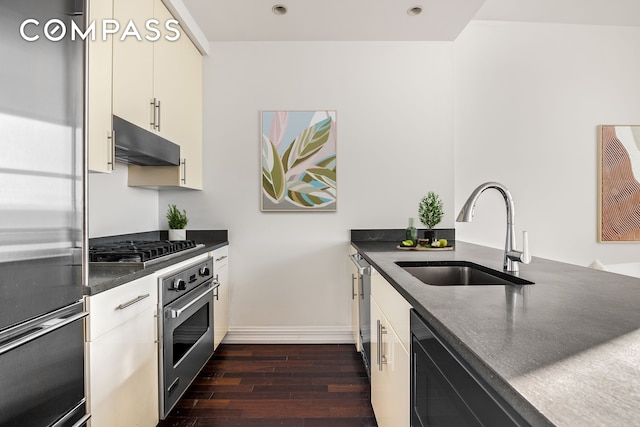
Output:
x=618 y=183
x=298 y=161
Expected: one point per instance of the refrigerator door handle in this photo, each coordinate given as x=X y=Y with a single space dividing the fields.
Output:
x=45 y=327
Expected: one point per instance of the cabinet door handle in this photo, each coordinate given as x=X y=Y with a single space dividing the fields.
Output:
x=382 y=360
x=112 y=150
x=159 y=115
x=353 y=287
x=216 y=290
x=153 y=113
x=133 y=301
x=184 y=171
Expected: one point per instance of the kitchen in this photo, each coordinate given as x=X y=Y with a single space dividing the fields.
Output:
x=509 y=100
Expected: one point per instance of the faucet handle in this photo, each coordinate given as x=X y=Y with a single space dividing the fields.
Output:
x=525 y=258
x=519 y=256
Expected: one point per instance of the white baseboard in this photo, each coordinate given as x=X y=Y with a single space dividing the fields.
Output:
x=289 y=335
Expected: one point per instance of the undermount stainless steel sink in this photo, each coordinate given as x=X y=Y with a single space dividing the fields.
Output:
x=458 y=273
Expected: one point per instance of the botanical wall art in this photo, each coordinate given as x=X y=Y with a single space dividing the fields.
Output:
x=619 y=183
x=298 y=161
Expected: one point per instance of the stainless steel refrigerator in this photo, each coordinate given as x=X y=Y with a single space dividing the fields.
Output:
x=41 y=216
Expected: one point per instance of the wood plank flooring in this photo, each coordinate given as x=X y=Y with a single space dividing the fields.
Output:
x=302 y=385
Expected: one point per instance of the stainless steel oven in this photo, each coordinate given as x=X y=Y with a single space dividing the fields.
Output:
x=186 y=329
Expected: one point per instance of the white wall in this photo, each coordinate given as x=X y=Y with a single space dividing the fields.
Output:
x=529 y=98
x=395 y=143
x=115 y=208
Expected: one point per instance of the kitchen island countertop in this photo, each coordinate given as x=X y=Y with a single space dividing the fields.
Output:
x=564 y=351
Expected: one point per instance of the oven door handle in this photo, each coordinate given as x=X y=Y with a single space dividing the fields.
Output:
x=176 y=312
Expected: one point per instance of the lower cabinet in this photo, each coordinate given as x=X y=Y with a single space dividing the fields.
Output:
x=123 y=355
x=220 y=295
x=390 y=345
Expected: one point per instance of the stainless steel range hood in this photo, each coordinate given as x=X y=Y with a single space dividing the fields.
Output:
x=138 y=146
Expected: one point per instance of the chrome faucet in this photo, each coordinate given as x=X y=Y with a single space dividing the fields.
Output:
x=511 y=255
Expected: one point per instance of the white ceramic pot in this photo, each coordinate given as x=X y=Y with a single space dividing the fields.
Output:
x=177 y=234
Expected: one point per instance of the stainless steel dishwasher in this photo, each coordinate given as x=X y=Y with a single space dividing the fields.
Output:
x=446 y=391
x=364 y=299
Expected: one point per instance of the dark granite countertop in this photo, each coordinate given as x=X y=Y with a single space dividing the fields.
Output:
x=563 y=351
x=103 y=278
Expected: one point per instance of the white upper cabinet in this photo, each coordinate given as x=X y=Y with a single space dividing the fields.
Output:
x=156 y=85
x=177 y=93
x=133 y=65
x=99 y=73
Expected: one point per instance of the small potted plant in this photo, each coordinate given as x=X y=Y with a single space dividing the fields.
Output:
x=430 y=213
x=177 y=222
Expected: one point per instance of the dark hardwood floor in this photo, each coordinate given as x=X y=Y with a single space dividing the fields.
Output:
x=278 y=385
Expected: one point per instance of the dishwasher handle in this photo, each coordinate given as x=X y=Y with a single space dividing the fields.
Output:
x=363 y=270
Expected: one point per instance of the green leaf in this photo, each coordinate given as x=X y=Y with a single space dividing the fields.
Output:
x=324 y=175
x=306 y=195
x=307 y=144
x=273 y=180
x=329 y=163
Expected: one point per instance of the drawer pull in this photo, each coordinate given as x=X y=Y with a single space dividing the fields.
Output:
x=133 y=301
x=221 y=258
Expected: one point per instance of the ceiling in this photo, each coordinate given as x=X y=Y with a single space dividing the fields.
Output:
x=362 y=20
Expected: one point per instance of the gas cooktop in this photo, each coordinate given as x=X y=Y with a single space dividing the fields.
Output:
x=139 y=253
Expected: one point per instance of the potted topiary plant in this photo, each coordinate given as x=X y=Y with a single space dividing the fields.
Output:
x=177 y=222
x=430 y=213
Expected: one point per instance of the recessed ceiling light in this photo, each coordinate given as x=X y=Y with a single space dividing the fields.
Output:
x=279 y=9
x=415 y=10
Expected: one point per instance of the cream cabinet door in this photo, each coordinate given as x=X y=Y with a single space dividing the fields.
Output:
x=123 y=374
x=390 y=373
x=390 y=350
x=393 y=305
x=122 y=355
x=221 y=295
x=99 y=73
x=133 y=65
x=177 y=87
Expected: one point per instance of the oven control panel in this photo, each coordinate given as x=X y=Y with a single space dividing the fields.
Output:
x=185 y=280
